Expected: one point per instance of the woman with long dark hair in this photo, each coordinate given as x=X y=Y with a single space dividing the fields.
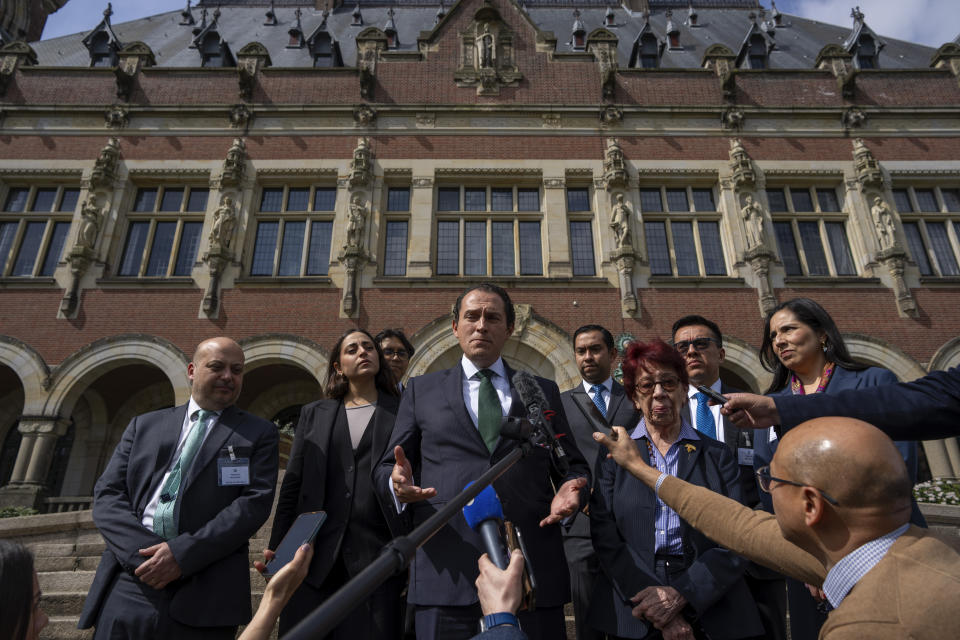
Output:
x=338 y=442
x=21 y=617
x=803 y=349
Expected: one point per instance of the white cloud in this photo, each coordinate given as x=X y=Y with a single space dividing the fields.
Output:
x=929 y=22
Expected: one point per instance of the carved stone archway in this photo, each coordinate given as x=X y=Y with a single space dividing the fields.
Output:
x=282 y=348
x=946 y=356
x=744 y=361
x=30 y=368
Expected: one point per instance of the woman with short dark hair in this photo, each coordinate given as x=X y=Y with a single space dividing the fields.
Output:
x=21 y=617
x=337 y=445
x=658 y=575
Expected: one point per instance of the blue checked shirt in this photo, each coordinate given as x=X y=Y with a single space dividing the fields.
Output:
x=847 y=573
x=667 y=522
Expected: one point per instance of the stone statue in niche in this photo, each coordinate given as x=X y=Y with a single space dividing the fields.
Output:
x=620 y=222
x=752 y=214
x=92 y=217
x=883 y=221
x=356 y=221
x=224 y=222
x=486 y=49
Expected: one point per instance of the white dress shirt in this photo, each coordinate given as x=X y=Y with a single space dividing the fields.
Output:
x=714 y=410
x=471 y=387
x=607 y=390
x=151 y=508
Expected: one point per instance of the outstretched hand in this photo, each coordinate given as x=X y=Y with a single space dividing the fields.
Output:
x=624 y=452
x=566 y=502
x=750 y=411
x=402 y=478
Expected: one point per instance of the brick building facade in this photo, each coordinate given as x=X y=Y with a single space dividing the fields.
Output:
x=280 y=172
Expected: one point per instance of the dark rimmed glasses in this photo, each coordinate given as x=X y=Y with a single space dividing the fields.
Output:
x=669 y=385
x=398 y=353
x=700 y=344
x=763 y=475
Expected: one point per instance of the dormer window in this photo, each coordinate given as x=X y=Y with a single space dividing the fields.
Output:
x=102 y=53
x=609 y=18
x=866 y=53
x=673 y=33
x=323 y=51
x=579 y=33
x=357 y=16
x=296 y=33
x=757 y=54
x=214 y=51
x=649 y=51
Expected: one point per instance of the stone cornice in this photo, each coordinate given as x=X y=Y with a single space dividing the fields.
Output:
x=488 y=171
x=801 y=173
x=164 y=173
x=279 y=172
x=28 y=172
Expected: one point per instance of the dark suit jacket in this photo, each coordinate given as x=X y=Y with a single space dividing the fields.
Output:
x=735 y=439
x=622 y=516
x=585 y=419
x=926 y=409
x=307 y=486
x=447 y=452
x=215 y=522
x=841 y=380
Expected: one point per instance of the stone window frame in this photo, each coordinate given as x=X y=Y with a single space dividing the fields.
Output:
x=285 y=216
x=154 y=217
x=394 y=215
x=17 y=227
x=576 y=219
x=490 y=217
x=692 y=215
x=940 y=257
x=822 y=217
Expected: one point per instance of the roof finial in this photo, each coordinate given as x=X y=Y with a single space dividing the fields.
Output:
x=271 y=16
x=298 y=13
x=357 y=16
x=671 y=28
x=187 y=15
x=577 y=23
x=108 y=12
x=773 y=6
x=857 y=15
x=440 y=12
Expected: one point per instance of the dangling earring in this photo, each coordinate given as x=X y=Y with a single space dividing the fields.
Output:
x=823 y=345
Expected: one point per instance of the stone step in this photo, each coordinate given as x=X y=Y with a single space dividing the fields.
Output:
x=64 y=549
x=65 y=628
x=66 y=581
x=62 y=604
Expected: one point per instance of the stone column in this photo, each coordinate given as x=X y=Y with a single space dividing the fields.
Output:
x=559 y=264
x=40 y=435
x=420 y=229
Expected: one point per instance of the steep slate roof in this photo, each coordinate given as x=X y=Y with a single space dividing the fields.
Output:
x=797 y=42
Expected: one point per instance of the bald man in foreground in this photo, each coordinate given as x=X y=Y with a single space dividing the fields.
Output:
x=841 y=497
x=184 y=491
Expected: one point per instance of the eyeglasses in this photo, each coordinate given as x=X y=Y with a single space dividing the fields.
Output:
x=700 y=344
x=646 y=387
x=763 y=475
x=398 y=353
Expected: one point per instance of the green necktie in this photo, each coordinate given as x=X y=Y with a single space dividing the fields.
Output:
x=489 y=411
x=164 y=520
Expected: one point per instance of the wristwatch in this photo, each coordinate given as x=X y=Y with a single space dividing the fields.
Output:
x=497 y=619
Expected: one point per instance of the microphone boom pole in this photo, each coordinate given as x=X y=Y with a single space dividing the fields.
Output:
x=395 y=557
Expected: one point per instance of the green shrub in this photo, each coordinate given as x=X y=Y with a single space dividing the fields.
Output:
x=16 y=512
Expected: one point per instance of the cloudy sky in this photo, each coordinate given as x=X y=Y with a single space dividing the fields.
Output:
x=930 y=22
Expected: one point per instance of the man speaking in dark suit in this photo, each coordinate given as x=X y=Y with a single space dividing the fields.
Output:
x=445 y=436
x=700 y=343
x=594 y=405
x=185 y=490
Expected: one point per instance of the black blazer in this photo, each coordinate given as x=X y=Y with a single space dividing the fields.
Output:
x=622 y=516
x=585 y=419
x=215 y=522
x=735 y=439
x=926 y=409
x=307 y=486
x=447 y=452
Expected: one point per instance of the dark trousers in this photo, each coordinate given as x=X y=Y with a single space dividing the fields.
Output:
x=584 y=569
x=462 y=623
x=380 y=616
x=134 y=611
x=771 y=599
x=805 y=617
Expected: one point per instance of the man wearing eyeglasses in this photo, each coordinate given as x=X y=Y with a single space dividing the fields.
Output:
x=397 y=350
x=700 y=343
x=841 y=499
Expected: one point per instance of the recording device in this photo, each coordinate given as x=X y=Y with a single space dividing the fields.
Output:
x=710 y=393
x=531 y=395
x=303 y=531
x=485 y=516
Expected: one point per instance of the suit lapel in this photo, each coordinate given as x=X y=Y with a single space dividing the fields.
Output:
x=687 y=457
x=383 y=419
x=230 y=418
x=340 y=442
x=617 y=397
x=168 y=437
x=453 y=391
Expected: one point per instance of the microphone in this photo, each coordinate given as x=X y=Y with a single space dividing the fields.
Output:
x=531 y=395
x=516 y=428
x=485 y=516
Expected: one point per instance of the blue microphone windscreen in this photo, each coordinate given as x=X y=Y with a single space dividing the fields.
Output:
x=484 y=507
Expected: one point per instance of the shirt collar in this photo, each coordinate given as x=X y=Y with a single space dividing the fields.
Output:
x=692 y=389
x=687 y=432
x=470 y=369
x=193 y=407
x=844 y=575
x=606 y=384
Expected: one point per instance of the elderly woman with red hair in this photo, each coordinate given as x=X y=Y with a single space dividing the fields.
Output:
x=660 y=578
